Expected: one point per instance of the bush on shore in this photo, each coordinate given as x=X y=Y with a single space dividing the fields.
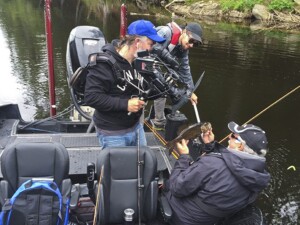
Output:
x=246 y=5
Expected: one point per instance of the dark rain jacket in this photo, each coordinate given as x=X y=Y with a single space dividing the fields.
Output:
x=110 y=98
x=224 y=180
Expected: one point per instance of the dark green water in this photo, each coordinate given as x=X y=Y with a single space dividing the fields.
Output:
x=245 y=72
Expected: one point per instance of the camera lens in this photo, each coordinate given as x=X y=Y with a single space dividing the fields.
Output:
x=169 y=59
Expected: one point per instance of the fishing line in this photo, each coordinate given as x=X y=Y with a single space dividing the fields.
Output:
x=258 y=114
x=164 y=142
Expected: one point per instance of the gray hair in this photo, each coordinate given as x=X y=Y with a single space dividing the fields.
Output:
x=247 y=149
x=262 y=152
x=129 y=40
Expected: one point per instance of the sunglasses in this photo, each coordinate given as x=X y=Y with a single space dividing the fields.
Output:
x=234 y=137
x=194 y=42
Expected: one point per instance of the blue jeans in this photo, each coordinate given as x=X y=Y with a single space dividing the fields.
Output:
x=127 y=139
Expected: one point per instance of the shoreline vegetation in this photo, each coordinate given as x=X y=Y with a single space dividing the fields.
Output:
x=258 y=14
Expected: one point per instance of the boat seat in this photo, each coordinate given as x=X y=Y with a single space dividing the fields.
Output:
x=23 y=161
x=119 y=184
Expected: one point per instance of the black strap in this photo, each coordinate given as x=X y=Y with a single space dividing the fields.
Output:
x=107 y=58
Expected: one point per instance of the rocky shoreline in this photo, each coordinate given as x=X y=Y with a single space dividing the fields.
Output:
x=258 y=18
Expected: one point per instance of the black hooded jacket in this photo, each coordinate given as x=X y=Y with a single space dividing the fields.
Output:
x=110 y=98
x=224 y=180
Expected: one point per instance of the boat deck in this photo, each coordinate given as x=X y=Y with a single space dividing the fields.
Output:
x=82 y=147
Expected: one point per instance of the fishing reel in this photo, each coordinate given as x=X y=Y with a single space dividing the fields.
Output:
x=162 y=80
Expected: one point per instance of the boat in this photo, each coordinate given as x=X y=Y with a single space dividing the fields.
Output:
x=76 y=135
x=108 y=203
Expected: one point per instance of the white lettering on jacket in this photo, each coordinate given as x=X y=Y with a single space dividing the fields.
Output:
x=129 y=78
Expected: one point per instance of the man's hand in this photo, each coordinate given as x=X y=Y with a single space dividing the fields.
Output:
x=135 y=104
x=194 y=99
x=208 y=137
x=182 y=147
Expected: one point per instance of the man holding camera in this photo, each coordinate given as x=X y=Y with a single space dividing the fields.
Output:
x=174 y=51
x=117 y=106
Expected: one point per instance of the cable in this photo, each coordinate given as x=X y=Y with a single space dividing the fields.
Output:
x=36 y=122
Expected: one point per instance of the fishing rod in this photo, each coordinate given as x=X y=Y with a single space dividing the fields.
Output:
x=98 y=197
x=164 y=142
x=160 y=138
x=271 y=105
x=140 y=183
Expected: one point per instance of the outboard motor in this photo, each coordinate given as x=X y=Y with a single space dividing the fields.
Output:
x=83 y=41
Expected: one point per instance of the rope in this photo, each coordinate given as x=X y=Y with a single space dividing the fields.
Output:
x=274 y=103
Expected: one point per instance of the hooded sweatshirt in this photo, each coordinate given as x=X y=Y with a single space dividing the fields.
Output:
x=223 y=180
x=109 y=96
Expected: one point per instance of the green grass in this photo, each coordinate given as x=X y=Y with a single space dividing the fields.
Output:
x=281 y=5
x=244 y=5
x=239 y=5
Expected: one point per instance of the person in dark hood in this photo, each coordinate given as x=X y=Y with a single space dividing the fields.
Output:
x=117 y=107
x=222 y=180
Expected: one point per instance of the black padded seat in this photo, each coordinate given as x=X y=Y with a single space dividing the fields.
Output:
x=23 y=161
x=119 y=184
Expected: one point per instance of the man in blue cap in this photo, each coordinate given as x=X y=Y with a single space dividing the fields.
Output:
x=111 y=98
x=174 y=51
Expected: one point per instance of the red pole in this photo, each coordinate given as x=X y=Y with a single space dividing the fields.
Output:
x=51 y=81
x=123 y=22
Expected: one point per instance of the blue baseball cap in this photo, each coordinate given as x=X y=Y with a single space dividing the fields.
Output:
x=144 y=28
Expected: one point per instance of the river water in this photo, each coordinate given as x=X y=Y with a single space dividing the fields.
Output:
x=245 y=72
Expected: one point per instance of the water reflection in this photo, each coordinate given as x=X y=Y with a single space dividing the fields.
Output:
x=12 y=89
x=245 y=72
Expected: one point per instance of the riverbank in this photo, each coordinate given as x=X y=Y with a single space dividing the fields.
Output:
x=260 y=17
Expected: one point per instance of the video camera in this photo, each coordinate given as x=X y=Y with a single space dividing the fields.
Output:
x=161 y=79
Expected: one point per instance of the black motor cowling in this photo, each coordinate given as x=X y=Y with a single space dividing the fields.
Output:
x=83 y=41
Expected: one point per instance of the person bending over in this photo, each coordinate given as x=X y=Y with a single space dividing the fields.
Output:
x=222 y=180
x=175 y=52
